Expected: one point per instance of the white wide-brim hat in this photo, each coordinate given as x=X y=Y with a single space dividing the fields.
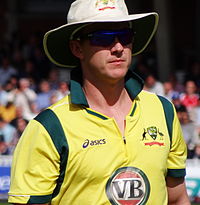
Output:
x=83 y=12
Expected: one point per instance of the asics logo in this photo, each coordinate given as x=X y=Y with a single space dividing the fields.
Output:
x=88 y=142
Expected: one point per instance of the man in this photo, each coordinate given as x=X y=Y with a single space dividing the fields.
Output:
x=107 y=142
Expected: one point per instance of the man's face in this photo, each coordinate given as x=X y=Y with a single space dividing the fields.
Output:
x=105 y=63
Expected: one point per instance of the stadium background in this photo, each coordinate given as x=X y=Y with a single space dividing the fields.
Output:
x=175 y=46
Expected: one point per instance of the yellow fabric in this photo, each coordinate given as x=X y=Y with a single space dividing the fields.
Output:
x=23 y=199
x=35 y=164
x=96 y=151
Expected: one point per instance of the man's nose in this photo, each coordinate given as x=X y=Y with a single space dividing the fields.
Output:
x=117 y=46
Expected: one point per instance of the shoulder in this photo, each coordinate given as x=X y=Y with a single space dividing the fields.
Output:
x=152 y=96
x=61 y=105
x=153 y=101
x=58 y=109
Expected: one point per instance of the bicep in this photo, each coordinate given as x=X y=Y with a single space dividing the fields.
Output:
x=177 y=193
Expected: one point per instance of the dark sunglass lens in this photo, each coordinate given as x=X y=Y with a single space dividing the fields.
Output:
x=107 y=38
x=101 y=39
x=125 y=37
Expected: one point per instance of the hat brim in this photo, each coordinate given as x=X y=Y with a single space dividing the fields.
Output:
x=56 y=41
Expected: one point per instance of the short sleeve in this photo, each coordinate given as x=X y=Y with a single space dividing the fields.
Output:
x=176 y=163
x=35 y=166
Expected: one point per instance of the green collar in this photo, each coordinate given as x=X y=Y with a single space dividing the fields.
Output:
x=133 y=84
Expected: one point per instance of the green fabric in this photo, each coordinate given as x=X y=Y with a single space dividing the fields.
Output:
x=133 y=111
x=39 y=199
x=169 y=115
x=176 y=172
x=53 y=126
x=96 y=114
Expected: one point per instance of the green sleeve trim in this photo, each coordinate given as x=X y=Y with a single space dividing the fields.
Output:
x=40 y=199
x=53 y=126
x=176 y=172
x=169 y=114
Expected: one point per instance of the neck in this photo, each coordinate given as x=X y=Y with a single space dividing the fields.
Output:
x=103 y=94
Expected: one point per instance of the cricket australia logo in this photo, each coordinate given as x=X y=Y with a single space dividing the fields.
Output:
x=105 y=4
x=153 y=135
x=128 y=186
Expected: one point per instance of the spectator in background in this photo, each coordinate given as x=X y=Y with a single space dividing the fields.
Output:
x=19 y=115
x=188 y=127
x=3 y=147
x=25 y=98
x=8 y=111
x=197 y=114
x=43 y=99
x=30 y=72
x=3 y=96
x=53 y=99
x=153 y=85
x=197 y=124
x=176 y=100
x=21 y=124
x=177 y=85
x=169 y=91
x=7 y=133
x=193 y=73
x=53 y=78
x=6 y=70
x=11 y=85
x=62 y=90
x=13 y=81
x=190 y=97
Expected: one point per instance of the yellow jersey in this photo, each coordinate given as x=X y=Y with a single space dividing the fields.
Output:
x=71 y=155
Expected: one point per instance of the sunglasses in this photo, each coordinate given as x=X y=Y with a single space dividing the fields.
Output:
x=106 y=38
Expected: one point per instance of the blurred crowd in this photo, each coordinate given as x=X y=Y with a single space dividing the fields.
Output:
x=29 y=83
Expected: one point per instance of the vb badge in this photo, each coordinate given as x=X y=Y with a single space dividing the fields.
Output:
x=128 y=186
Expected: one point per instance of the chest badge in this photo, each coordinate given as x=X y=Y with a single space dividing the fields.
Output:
x=152 y=136
x=128 y=186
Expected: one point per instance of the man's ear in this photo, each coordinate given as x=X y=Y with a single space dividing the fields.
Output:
x=76 y=48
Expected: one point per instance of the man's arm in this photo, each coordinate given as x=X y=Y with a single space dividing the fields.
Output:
x=177 y=193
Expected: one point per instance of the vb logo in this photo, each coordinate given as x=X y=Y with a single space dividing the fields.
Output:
x=128 y=186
